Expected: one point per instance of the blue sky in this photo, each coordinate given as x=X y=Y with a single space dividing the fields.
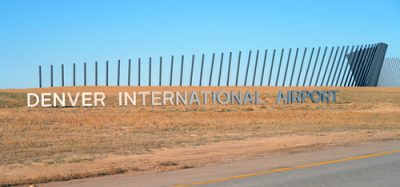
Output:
x=42 y=32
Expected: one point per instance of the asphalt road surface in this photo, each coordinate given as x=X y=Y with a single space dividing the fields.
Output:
x=370 y=164
x=377 y=171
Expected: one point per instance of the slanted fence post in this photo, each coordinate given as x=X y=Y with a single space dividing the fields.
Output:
x=294 y=66
x=238 y=68
x=263 y=67
x=287 y=66
x=279 y=67
x=191 y=71
x=182 y=60
x=229 y=68
x=272 y=67
x=220 y=69
x=247 y=69
x=255 y=68
x=171 y=71
x=201 y=70
x=301 y=66
x=211 y=70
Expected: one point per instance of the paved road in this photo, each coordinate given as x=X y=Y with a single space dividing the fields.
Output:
x=371 y=164
x=376 y=171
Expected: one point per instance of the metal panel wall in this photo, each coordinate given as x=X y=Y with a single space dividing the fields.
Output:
x=390 y=73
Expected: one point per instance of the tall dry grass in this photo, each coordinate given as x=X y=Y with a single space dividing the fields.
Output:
x=30 y=136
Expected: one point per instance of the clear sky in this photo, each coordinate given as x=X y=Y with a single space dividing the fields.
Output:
x=58 y=32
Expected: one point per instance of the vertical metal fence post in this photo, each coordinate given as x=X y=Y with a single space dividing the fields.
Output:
x=238 y=68
x=294 y=66
x=191 y=71
x=182 y=60
x=74 y=74
x=40 y=76
x=247 y=69
x=171 y=71
x=279 y=67
x=220 y=69
x=263 y=67
x=255 y=68
x=229 y=69
x=139 y=64
x=272 y=67
x=84 y=73
x=107 y=73
x=51 y=75
x=160 y=74
x=149 y=71
x=119 y=71
x=211 y=70
x=301 y=66
x=287 y=66
x=95 y=72
x=129 y=72
x=62 y=75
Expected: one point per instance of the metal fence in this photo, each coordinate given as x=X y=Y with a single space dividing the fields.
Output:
x=390 y=73
x=317 y=66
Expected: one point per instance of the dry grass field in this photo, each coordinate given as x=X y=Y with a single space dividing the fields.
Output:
x=46 y=144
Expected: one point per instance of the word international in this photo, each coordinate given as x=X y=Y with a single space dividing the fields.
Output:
x=155 y=98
